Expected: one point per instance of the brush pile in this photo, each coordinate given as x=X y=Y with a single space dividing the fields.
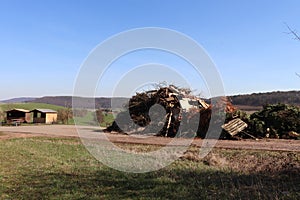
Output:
x=173 y=112
x=168 y=111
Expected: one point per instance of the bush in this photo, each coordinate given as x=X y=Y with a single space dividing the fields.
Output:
x=2 y=116
x=64 y=115
x=99 y=116
x=276 y=120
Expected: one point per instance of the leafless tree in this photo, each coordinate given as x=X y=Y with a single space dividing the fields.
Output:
x=292 y=32
x=64 y=115
x=2 y=115
x=99 y=116
x=296 y=37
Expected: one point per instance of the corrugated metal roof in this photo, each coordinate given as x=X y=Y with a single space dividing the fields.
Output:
x=45 y=110
x=18 y=109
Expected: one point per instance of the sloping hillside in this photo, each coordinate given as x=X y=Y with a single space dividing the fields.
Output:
x=260 y=99
x=18 y=100
x=87 y=103
x=249 y=101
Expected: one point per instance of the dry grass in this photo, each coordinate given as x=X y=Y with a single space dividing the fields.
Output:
x=47 y=168
x=1 y=133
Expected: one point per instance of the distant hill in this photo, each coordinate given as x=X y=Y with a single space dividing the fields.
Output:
x=260 y=99
x=18 y=100
x=246 y=102
x=87 y=103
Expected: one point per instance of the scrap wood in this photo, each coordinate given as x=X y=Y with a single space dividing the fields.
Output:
x=181 y=108
x=248 y=134
x=293 y=134
x=235 y=126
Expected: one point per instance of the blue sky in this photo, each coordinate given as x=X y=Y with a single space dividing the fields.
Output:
x=44 y=43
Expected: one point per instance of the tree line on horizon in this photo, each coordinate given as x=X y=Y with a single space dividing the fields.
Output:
x=255 y=99
x=261 y=99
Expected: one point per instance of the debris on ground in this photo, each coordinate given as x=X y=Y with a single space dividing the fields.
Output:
x=168 y=111
x=160 y=111
x=293 y=134
x=171 y=111
x=235 y=126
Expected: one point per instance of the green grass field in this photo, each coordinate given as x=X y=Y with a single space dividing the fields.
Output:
x=29 y=106
x=89 y=119
x=44 y=168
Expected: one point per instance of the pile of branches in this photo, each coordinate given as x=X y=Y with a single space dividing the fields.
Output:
x=162 y=111
x=170 y=111
x=165 y=98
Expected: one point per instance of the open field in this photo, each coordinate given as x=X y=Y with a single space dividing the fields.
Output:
x=61 y=168
x=29 y=106
x=49 y=161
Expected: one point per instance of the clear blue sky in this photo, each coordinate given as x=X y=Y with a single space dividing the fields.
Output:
x=49 y=40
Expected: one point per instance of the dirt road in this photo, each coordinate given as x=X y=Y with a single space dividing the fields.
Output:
x=96 y=133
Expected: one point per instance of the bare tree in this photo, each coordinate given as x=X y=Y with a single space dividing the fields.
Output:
x=296 y=37
x=64 y=115
x=2 y=116
x=68 y=112
x=99 y=116
x=292 y=32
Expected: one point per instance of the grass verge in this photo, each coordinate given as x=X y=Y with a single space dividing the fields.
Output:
x=47 y=168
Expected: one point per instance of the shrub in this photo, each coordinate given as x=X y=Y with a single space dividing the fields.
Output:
x=276 y=119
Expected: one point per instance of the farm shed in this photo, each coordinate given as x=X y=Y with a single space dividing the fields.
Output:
x=18 y=115
x=47 y=116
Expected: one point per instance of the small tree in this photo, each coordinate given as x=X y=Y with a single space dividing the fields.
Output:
x=64 y=115
x=99 y=116
x=2 y=116
x=68 y=114
x=61 y=116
